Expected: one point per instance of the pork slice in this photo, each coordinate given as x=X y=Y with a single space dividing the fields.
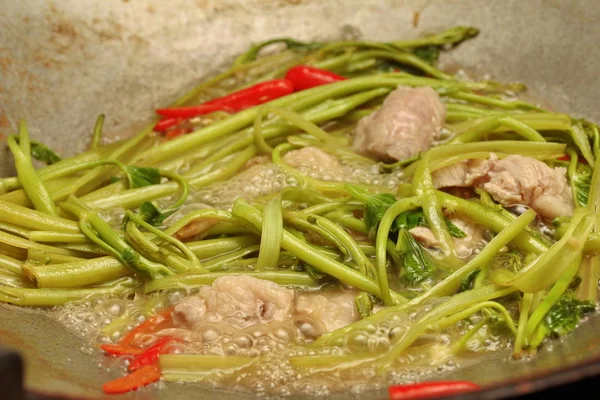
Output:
x=238 y=300
x=514 y=180
x=424 y=236
x=191 y=309
x=327 y=311
x=466 y=246
x=454 y=175
x=466 y=173
x=523 y=180
x=405 y=125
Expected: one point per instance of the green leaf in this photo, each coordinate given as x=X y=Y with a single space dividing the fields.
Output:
x=417 y=266
x=377 y=205
x=467 y=283
x=565 y=315
x=152 y=215
x=114 y=179
x=413 y=218
x=143 y=176
x=364 y=304
x=43 y=153
x=375 y=208
x=455 y=231
x=408 y=220
x=429 y=54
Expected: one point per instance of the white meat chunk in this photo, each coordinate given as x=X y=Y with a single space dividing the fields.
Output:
x=463 y=174
x=424 y=236
x=315 y=162
x=239 y=301
x=327 y=311
x=465 y=247
x=191 y=309
x=514 y=180
x=405 y=125
x=523 y=180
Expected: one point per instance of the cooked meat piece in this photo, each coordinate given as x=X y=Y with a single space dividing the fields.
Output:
x=315 y=162
x=404 y=126
x=463 y=174
x=523 y=180
x=424 y=236
x=454 y=175
x=466 y=246
x=239 y=301
x=514 y=180
x=191 y=309
x=326 y=311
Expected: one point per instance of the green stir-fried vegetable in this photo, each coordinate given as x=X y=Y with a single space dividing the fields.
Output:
x=119 y=218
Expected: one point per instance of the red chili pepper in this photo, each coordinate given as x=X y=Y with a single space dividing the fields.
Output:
x=166 y=123
x=237 y=101
x=254 y=95
x=305 y=77
x=118 y=350
x=153 y=324
x=150 y=356
x=141 y=377
x=427 y=390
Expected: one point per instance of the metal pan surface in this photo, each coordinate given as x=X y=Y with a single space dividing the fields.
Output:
x=64 y=62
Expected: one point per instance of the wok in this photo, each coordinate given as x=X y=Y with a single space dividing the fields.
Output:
x=63 y=63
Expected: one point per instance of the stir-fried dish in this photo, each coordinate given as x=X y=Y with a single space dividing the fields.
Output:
x=319 y=217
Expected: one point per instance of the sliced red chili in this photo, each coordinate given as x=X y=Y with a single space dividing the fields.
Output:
x=166 y=123
x=150 y=355
x=118 y=350
x=306 y=77
x=234 y=102
x=141 y=377
x=427 y=390
x=152 y=324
